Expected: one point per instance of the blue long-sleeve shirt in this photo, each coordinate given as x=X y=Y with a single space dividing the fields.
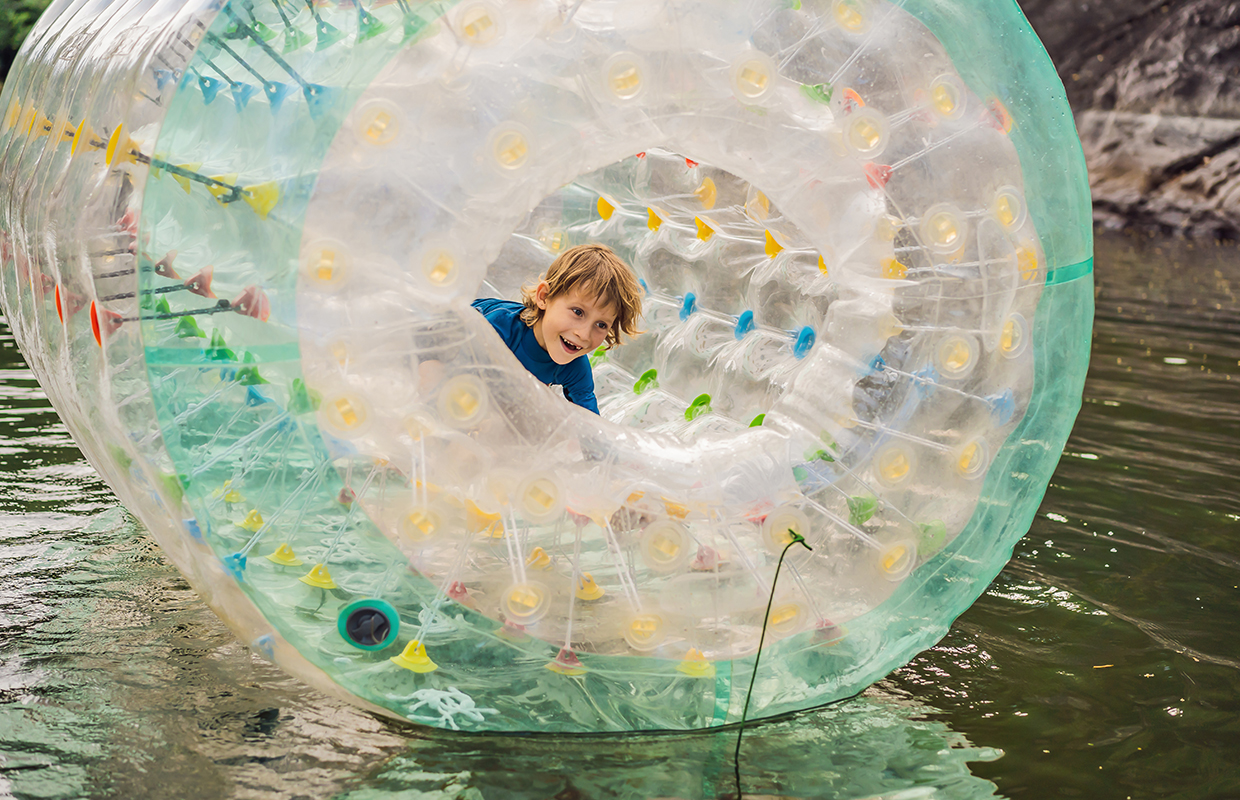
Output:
x=575 y=376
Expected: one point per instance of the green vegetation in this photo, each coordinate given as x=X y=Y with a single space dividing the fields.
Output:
x=17 y=17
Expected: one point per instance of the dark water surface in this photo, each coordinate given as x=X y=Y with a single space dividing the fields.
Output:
x=1103 y=662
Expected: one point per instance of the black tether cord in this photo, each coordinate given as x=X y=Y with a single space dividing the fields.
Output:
x=796 y=539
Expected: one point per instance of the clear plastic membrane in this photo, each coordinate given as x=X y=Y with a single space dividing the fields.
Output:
x=239 y=245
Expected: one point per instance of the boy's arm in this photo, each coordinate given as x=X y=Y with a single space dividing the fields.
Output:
x=503 y=318
x=579 y=385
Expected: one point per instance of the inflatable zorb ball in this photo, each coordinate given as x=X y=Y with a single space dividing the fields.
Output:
x=240 y=241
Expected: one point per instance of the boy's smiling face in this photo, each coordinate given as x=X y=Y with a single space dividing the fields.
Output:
x=572 y=325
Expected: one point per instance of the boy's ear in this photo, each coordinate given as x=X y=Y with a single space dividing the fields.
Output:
x=540 y=294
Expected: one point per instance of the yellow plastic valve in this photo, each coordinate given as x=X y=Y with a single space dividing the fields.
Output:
x=644 y=632
x=587 y=589
x=666 y=544
x=420 y=524
x=350 y=412
x=894 y=270
x=83 y=135
x=479 y=521
x=707 y=193
x=67 y=132
x=865 y=134
x=284 y=556
x=27 y=123
x=553 y=239
x=540 y=498
x=773 y=247
x=262 y=197
x=183 y=181
x=217 y=191
x=758 y=207
x=674 y=509
x=752 y=78
x=414 y=658
x=121 y=148
x=971 y=459
x=894 y=465
x=605 y=207
x=539 y=559
x=849 y=16
x=945 y=98
x=624 y=78
x=695 y=665
x=439 y=267
x=463 y=400
x=787 y=618
x=318 y=577
x=512 y=149
x=943 y=229
x=11 y=118
x=380 y=125
x=524 y=602
x=1005 y=210
x=1010 y=338
x=479 y=25
x=1027 y=262
x=895 y=560
x=42 y=125
x=1014 y=336
x=253 y=521
x=955 y=356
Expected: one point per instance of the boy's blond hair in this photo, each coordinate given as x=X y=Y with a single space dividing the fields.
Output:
x=597 y=271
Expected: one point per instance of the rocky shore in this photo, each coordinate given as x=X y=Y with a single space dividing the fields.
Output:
x=1156 y=91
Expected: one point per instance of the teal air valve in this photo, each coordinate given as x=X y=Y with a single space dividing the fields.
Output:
x=369 y=624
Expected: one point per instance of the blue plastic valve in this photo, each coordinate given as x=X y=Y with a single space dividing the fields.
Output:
x=235 y=564
x=805 y=342
x=689 y=305
x=744 y=324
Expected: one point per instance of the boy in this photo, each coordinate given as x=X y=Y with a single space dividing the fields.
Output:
x=587 y=297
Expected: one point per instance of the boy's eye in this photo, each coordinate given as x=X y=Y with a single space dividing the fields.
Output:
x=602 y=325
x=578 y=312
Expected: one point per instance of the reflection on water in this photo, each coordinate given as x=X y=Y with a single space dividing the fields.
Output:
x=877 y=745
x=1102 y=661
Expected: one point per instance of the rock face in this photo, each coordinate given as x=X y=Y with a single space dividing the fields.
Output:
x=1156 y=90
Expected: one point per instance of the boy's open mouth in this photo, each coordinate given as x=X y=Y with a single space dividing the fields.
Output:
x=569 y=346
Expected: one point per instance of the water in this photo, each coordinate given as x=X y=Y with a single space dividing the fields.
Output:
x=1102 y=662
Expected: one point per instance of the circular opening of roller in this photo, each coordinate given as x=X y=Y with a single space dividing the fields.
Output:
x=733 y=299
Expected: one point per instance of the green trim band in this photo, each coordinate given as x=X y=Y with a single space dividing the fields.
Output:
x=1070 y=273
